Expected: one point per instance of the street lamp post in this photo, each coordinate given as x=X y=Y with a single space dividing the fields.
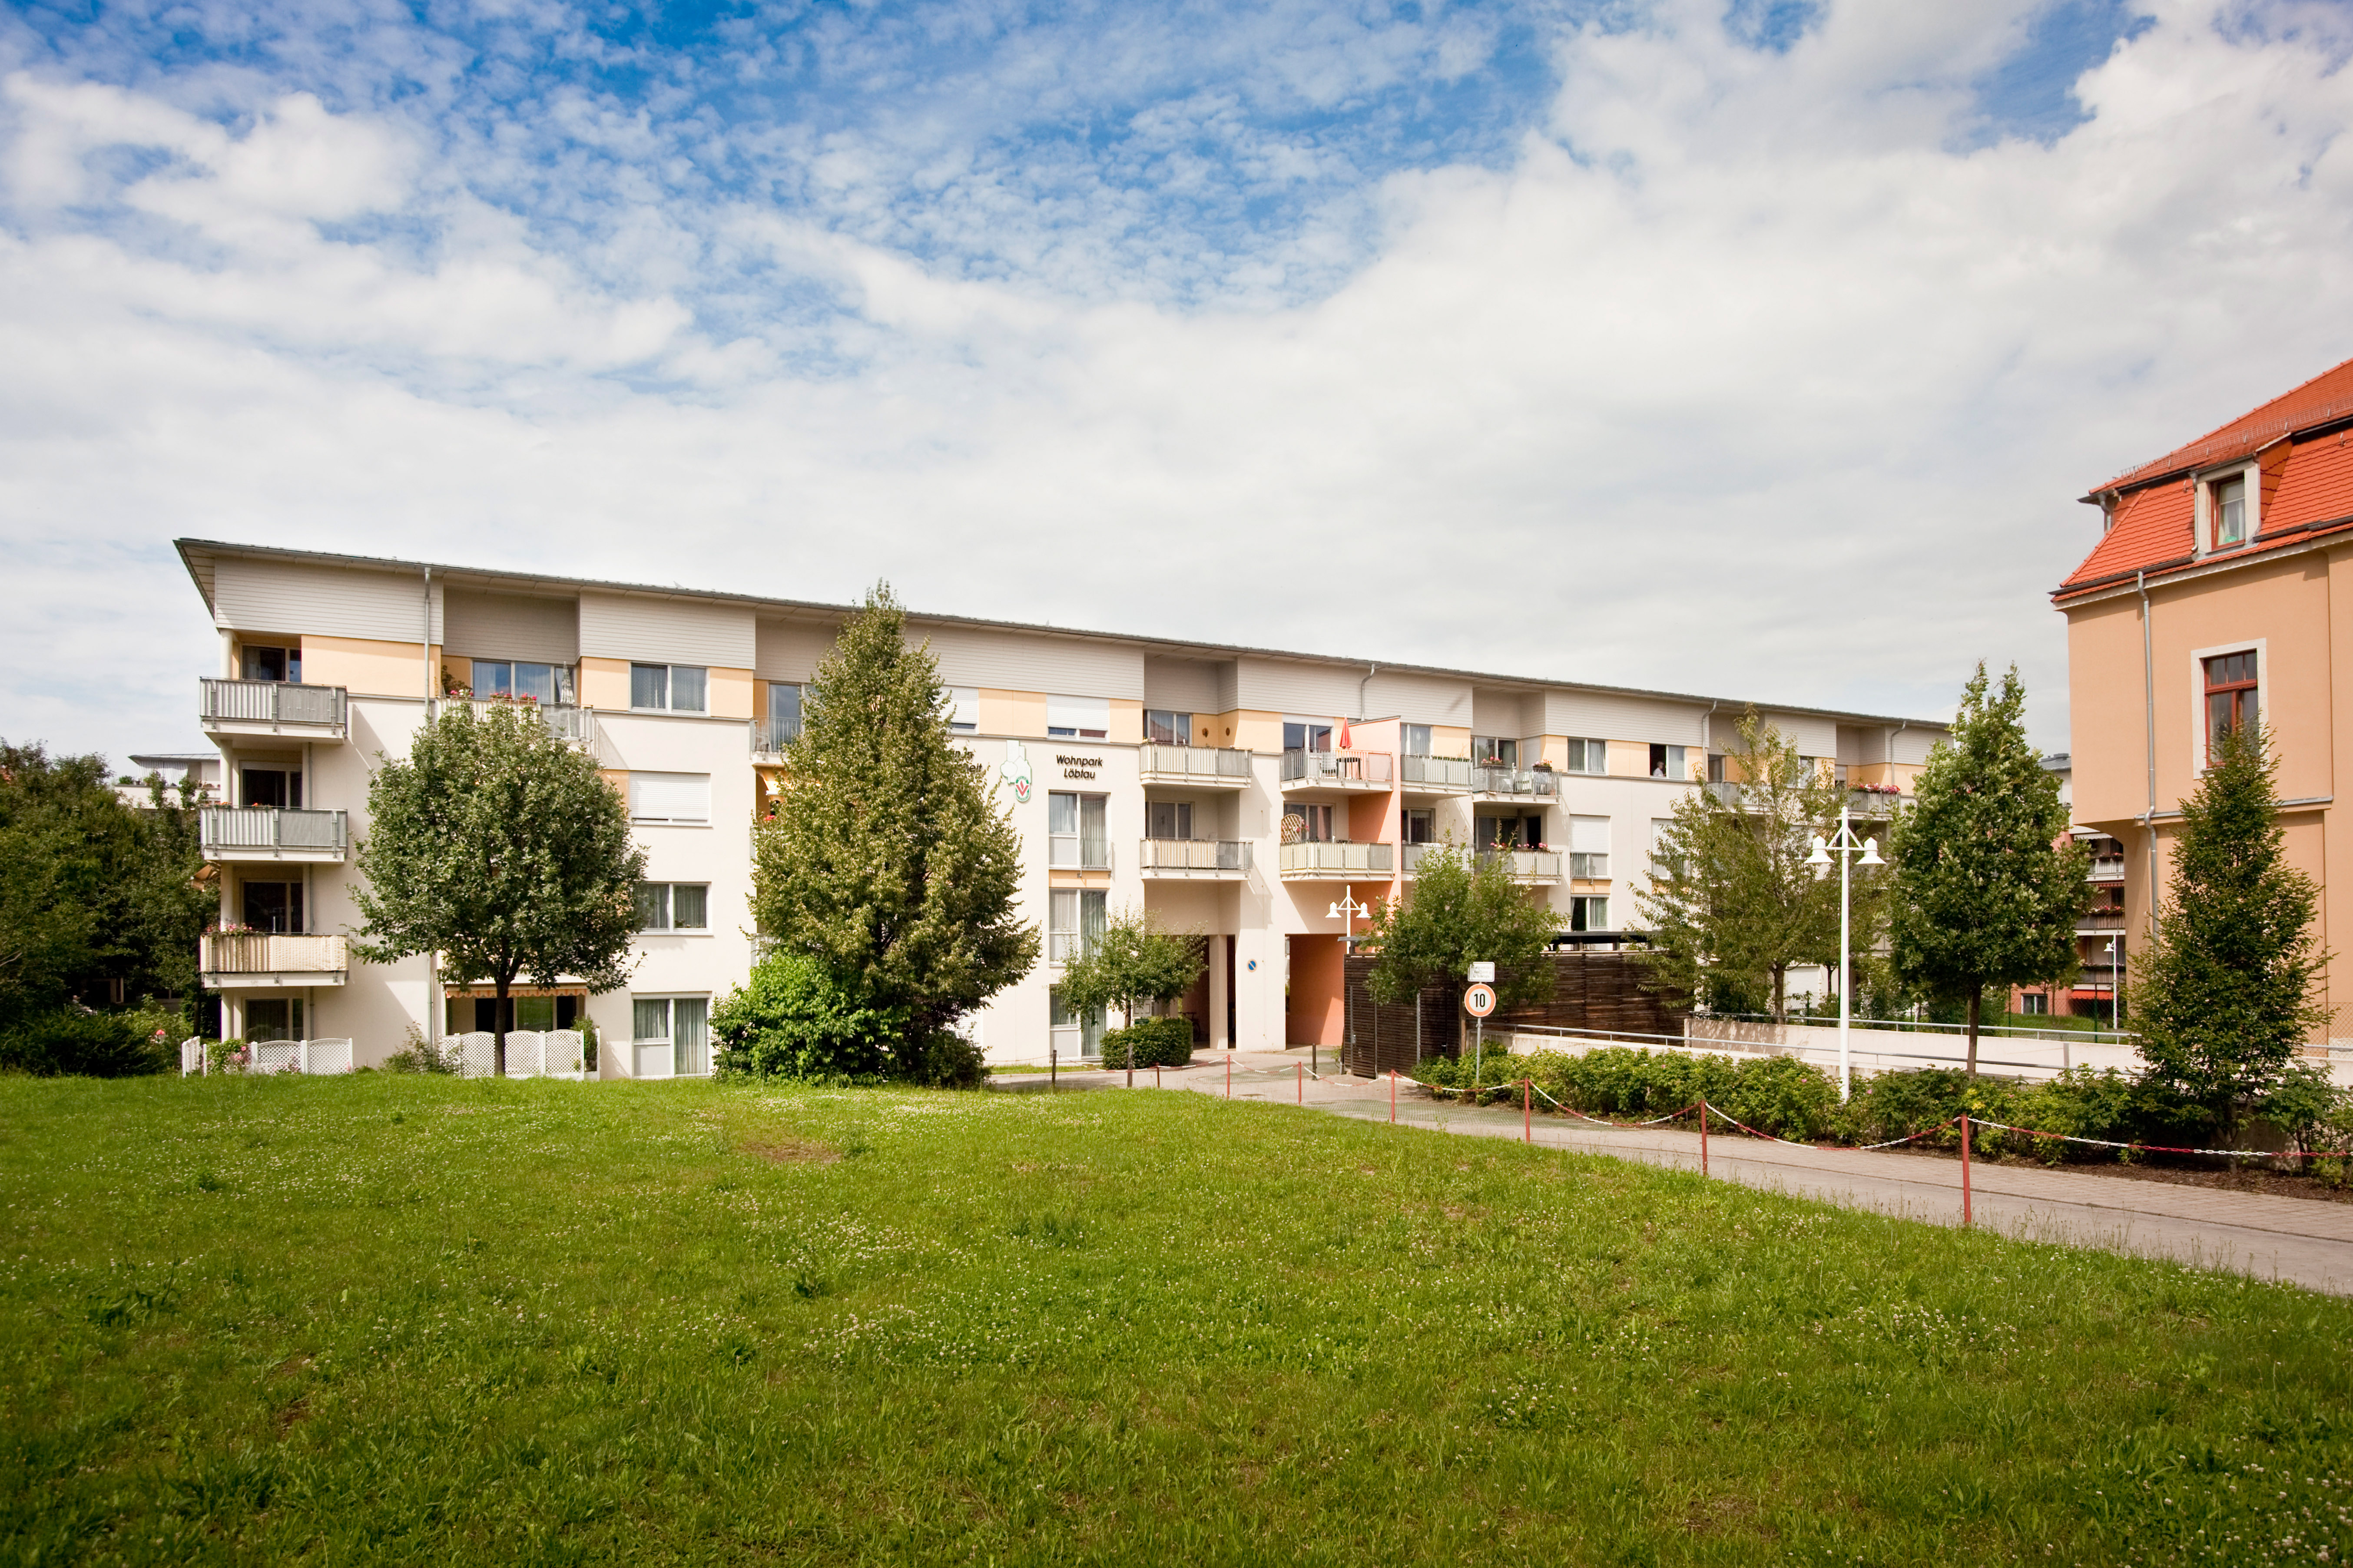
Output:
x=1845 y=845
x=1348 y=910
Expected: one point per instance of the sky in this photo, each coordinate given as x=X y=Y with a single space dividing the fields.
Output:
x=1761 y=352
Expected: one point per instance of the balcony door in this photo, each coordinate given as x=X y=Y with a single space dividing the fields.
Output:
x=274 y=907
x=1168 y=819
x=278 y=787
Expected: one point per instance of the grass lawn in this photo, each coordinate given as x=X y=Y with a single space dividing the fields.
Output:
x=392 y=1319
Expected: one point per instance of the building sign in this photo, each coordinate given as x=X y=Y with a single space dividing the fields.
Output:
x=1015 y=770
x=1078 y=767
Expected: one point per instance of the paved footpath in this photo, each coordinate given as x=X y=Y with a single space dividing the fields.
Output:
x=2298 y=1241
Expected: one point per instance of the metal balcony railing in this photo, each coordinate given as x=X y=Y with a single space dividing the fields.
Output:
x=1541 y=783
x=1531 y=865
x=1065 y=946
x=572 y=725
x=771 y=735
x=1194 y=855
x=280 y=705
x=1592 y=866
x=251 y=953
x=1207 y=763
x=261 y=832
x=2106 y=868
x=1339 y=859
x=1344 y=770
x=1438 y=772
x=2101 y=921
x=1070 y=852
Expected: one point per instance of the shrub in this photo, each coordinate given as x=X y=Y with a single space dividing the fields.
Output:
x=790 y=1019
x=1150 y=1042
x=69 y=1042
x=417 y=1054
x=949 y=1060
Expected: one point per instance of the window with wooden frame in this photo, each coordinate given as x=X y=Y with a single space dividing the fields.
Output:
x=2231 y=696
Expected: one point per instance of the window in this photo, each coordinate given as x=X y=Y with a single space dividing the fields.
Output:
x=1077 y=718
x=279 y=787
x=1671 y=762
x=2231 y=695
x=1076 y=832
x=1662 y=830
x=1508 y=832
x=1168 y=819
x=964 y=708
x=1588 y=757
x=1075 y=922
x=273 y=664
x=679 y=687
x=1588 y=847
x=1074 y=1035
x=1715 y=774
x=537 y=1014
x=670 y=798
x=784 y=713
x=672 y=1035
x=1305 y=735
x=1417 y=740
x=673 y=906
x=548 y=683
x=2033 y=1004
x=1495 y=752
x=1165 y=727
x=1314 y=824
x=2229 y=501
x=1418 y=825
x=1589 y=912
x=274 y=907
x=274 y=1018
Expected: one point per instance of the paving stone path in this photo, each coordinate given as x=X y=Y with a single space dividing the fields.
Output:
x=2298 y=1241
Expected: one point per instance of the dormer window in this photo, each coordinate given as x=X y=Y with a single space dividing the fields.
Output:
x=2230 y=512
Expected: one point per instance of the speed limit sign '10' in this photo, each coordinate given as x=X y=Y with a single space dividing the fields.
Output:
x=1479 y=1001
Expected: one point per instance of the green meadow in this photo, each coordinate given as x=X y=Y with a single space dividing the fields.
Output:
x=420 y=1319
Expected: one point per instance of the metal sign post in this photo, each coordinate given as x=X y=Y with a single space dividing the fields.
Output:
x=1479 y=1001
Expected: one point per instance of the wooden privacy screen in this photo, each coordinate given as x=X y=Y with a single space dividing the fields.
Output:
x=1590 y=991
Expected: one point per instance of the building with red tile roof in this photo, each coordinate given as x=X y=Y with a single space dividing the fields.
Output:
x=2208 y=600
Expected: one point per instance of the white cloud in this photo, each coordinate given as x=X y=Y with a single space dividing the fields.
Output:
x=1756 y=374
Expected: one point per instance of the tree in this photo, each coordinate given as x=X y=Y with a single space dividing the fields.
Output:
x=2225 y=992
x=885 y=859
x=1134 y=959
x=497 y=846
x=1988 y=884
x=1463 y=909
x=1732 y=905
x=789 y=1020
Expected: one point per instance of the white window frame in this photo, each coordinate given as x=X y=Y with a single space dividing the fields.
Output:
x=1418 y=740
x=1077 y=718
x=1584 y=861
x=1066 y=937
x=2251 y=476
x=1586 y=756
x=649 y=775
x=1585 y=904
x=1070 y=1041
x=1180 y=724
x=670 y=672
x=1678 y=762
x=668 y=1040
x=666 y=895
x=1074 y=858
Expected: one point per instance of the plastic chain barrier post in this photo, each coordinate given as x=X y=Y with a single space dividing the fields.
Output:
x=1230 y=1075
x=1393 y=1097
x=1702 y=1135
x=1156 y=1075
x=1528 y=1114
x=1964 y=1169
x=1302 y=1081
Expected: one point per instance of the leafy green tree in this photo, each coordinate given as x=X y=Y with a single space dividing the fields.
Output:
x=497 y=846
x=1732 y=905
x=2225 y=981
x=885 y=859
x=1463 y=910
x=1136 y=959
x=789 y=1020
x=1988 y=884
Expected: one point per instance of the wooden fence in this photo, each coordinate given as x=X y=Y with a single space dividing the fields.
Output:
x=1590 y=991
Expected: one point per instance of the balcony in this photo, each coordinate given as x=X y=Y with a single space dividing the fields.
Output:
x=1540 y=784
x=1434 y=775
x=771 y=735
x=1070 y=852
x=1527 y=865
x=1203 y=767
x=1333 y=862
x=266 y=833
x=572 y=726
x=2106 y=868
x=241 y=958
x=2100 y=922
x=1207 y=859
x=1872 y=803
x=273 y=708
x=1348 y=772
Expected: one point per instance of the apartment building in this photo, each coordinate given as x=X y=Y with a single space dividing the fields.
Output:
x=2211 y=601
x=1250 y=795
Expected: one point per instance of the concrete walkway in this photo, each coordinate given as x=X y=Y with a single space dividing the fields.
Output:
x=2298 y=1241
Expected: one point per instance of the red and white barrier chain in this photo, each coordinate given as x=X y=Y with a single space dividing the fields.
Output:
x=2168 y=1149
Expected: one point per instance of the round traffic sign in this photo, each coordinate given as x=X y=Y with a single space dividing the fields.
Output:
x=1479 y=1001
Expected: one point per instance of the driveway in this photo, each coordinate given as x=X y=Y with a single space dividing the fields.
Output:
x=2298 y=1241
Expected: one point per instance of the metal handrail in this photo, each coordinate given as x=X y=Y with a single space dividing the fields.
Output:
x=1527 y=862
x=267 y=828
x=1366 y=857
x=1336 y=767
x=271 y=702
x=1452 y=772
x=1193 y=762
x=1194 y=855
x=772 y=734
x=1540 y=782
x=1924 y=1026
x=564 y=720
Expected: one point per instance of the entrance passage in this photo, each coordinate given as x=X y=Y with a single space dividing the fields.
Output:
x=1315 y=1010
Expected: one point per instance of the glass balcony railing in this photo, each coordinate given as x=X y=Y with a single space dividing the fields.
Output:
x=1336 y=770
x=273 y=706
x=1588 y=867
x=1435 y=772
x=265 y=833
x=1073 y=852
x=1538 y=783
x=1192 y=764
x=1194 y=855
x=1338 y=859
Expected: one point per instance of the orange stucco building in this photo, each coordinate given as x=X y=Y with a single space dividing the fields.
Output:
x=2222 y=588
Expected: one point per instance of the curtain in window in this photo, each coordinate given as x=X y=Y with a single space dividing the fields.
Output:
x=652 y=1017
x=690 y=906
x=689 y=1020
x=1094 y=833
x=688 y=688
x=649 y=686
x=1093 y=915
x=653 y=906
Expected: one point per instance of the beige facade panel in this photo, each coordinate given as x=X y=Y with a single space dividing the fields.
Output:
x=1912 y=745
x=1182 y=685
x=1812 y=737
x=666 y=631
x=513 y=626
x=791 y=651
x=1027 y=661
x=1509 y=714
x=1419 y=699
x=1281 y=686
x=1606 y=716
x=290 y=597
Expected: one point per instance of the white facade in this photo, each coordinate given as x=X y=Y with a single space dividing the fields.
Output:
x=1282 y=784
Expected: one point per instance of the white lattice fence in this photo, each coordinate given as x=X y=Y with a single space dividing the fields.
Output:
x=552 y=1053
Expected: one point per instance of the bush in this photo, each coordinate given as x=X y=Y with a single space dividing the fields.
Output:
x=1150 y=1042
x=69 y=1042
x=949 y=1060
x=790 y=1019
x=417 y=1054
